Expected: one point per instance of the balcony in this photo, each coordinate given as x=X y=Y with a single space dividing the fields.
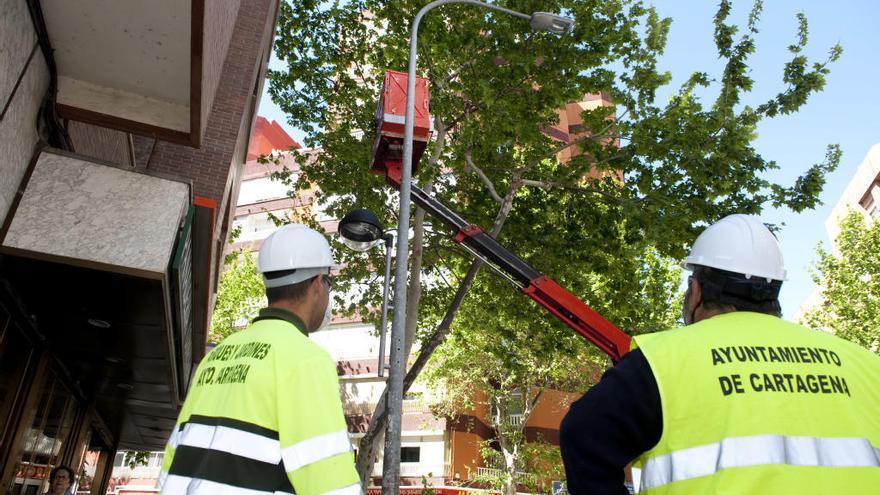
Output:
x=149 y=68
x=119 y=246
x=140 y=472
x=415 y=407
x=417 y=470
x=409 y=407
x=494 y=473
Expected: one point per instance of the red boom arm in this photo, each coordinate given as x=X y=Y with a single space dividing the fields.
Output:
x=542 y=289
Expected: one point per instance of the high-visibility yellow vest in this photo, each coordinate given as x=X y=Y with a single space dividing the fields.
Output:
x=263 y=415
x=754 y=404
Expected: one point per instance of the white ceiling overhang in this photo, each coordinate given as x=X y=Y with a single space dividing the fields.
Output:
x=131 y=65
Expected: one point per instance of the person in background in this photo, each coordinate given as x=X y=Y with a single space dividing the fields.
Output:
x=60 y=480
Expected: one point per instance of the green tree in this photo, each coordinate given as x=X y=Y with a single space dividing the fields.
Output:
x=544 y=462
x=495 y=88
x=850 y=282
x=540 y=464
x=240 y=295
x=134 y=458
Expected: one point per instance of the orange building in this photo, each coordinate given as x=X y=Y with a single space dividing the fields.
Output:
x=268 y=138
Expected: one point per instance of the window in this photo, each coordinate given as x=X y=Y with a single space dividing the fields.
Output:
x=870 y=199
x=41 y=448
x=262 y=189
x=88 y=473
x=15 y=360
x=410 y=454
x=867 y=202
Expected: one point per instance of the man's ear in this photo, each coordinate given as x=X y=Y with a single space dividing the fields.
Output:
x=696 y=292
x=316 y=286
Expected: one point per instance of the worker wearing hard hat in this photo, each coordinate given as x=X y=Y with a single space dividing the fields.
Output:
x=738 y=401
x=263 y=414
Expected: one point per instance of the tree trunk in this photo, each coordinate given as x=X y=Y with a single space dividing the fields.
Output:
x=509 y=486
x=414 y=290
x=372 y=439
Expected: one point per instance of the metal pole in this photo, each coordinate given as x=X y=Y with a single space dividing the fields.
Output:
x=383 y=325
x=394 y=385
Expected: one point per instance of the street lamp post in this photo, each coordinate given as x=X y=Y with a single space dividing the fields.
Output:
x=360 y=229
x=543 y=21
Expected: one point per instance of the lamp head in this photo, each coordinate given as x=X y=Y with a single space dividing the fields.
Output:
x=360 y=229
x=551 y=23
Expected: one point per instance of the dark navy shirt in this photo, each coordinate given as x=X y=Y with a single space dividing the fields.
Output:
x=617 y=420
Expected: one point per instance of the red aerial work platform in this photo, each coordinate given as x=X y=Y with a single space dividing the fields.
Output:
x=390 y=118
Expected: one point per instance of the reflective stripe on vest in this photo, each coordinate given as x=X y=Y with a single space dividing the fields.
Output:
x=315 y=449
x=264 y=449
x=758 y=450
x=195 y=486
x=232 y=441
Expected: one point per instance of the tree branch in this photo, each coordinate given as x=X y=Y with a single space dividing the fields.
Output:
x=452 y=75
x=547 y=185
x=537 y=398
x=483 y=177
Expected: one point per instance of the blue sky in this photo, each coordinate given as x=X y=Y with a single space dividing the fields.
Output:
x=847 y=112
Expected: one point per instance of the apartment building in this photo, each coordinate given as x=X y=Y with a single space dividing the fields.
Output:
x=124 y=129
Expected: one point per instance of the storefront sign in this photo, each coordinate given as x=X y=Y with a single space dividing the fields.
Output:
x=32 y=471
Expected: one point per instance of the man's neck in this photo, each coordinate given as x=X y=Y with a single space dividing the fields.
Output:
x=296 y=309
x=704 y=314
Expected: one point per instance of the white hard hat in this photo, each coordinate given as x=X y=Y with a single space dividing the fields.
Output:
x=295 y=247
x=739 y=244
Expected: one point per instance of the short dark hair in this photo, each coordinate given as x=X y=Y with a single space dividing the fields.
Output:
x=292 y=292
x=720 y=288
x=62 y=467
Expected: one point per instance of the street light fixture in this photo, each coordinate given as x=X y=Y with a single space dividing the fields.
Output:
x=391 y=461
x=360 y=230
x=551 y=23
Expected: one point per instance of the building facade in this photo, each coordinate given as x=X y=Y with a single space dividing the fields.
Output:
x=862 y=193
x=124 y=128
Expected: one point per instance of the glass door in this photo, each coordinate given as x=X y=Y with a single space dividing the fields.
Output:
x=44 y=439
x=16 y=360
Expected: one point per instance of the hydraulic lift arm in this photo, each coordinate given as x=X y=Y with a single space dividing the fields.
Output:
x=541 y=288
